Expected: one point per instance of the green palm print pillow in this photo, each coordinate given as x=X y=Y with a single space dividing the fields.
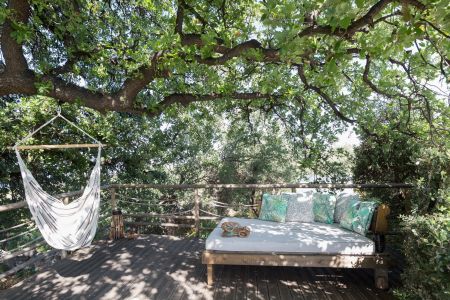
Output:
x=358 y=216
x=323 y=207
x=273 y=208
x=364 y=217
x=350 y=214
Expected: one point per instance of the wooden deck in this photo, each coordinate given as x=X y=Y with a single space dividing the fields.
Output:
x=165 y=267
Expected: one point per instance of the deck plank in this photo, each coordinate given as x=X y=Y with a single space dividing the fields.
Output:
x=164 y=267
x=184 y=259
x=283 y=283
x=241 y=282
x=121 y=272
x=310 y=288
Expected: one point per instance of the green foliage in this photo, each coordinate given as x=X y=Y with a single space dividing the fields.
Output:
x=423 y=160
x=105 y=43
x=403 y=122
x=388 y=159
x=426 y=246
x=199 y=145
x=43 y=87
x=400 y=158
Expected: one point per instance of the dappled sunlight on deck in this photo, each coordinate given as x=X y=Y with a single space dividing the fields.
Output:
x=165 y=267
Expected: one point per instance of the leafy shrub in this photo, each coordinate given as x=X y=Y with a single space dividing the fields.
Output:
x=427 y=252
x=399 y=158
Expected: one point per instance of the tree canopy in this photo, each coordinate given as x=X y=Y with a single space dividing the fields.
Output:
x=372 y=64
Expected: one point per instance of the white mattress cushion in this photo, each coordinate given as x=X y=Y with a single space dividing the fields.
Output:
x=291 y=237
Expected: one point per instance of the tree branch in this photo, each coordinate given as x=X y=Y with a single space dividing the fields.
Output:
x=357 y=24
x=132 y=86
x=180 y=18
x=323 y=95
x=428 y=114
x=15 y=61
x=187 y=98
x=436 y=28
x=377 y=90
x=195 y=13
x=269 y=55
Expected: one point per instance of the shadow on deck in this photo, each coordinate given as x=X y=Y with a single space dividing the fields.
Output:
x=165 y=267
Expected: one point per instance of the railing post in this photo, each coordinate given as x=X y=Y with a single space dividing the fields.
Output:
x=197 y=212
x=293 y=190
x=113 y=199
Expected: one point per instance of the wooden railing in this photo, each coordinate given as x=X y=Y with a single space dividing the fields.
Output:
x=27 y=241
x=197 y=210
x=195 y=216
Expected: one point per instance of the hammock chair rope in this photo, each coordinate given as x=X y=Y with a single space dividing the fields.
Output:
x=63 y=226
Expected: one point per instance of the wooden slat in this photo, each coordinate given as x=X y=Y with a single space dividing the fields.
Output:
x=25 y=251
x=12 y=206
x=166 y=225
x=21 y=204
x=143 y=258
x=264 y=186
x=172 y=264
x=27 y=263
x=296 y=260
x=381 y=221
x=160 y=224
x=306 y=283
x=62 y=146
x=15 y=226
x=163 y=267
x=287 y=284
x=167 y=216
x=18 y=235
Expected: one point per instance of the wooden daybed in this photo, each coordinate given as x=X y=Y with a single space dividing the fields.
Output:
x=313 y=244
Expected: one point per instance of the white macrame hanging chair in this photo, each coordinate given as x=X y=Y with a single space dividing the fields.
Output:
x=64 y=226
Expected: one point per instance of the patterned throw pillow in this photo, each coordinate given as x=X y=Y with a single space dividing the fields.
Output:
x=349 y=216
x=300 y=207
x=273 y=208
x=358 y=216
x=364 y=217
x=343 y=201
x=323 y=207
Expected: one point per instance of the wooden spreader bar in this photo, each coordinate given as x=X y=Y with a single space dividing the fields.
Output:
x=63 y=146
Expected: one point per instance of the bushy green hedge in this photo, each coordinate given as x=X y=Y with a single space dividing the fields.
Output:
x=427 y=252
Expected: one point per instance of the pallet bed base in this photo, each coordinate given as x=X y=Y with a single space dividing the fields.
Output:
x=378 y=262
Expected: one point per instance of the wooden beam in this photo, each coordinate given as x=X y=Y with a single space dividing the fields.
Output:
x=295 y=260
x=381 y=279
x=167 y=216
x=15 y=227
x=164 y=225
x=113 y=199
x=30 y=250
x=63 y=146
x=22 y=204
x=381 y=219
x=28 y=262
x=264 y=186
x=18 y=235
x=210 y=274
x=160 y=224
x=13 y=206
x=197 y=212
